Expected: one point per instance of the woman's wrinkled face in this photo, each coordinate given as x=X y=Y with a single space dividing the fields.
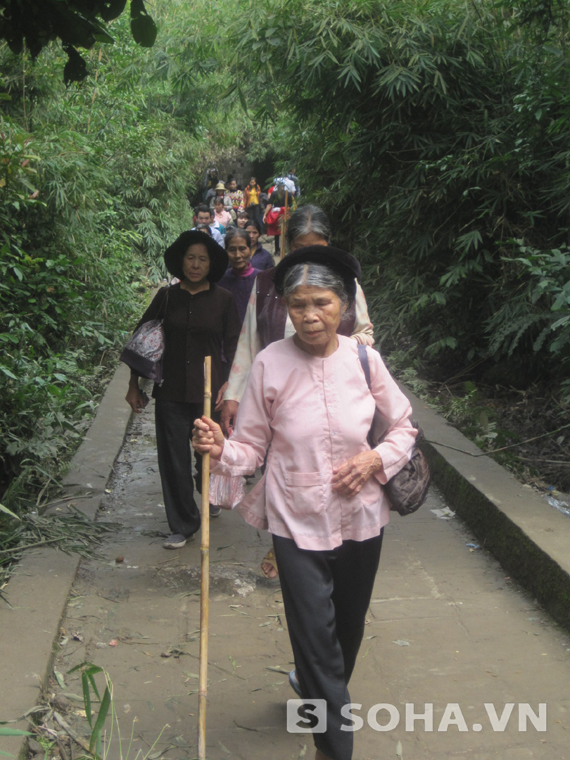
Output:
x=196 y=263
x=239 y=254
x=254 y=235
x=315 y=313
x=311 y=238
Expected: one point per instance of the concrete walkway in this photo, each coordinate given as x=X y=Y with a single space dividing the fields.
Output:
x=446 y=627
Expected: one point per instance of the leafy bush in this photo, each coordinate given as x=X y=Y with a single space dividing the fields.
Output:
x=434 y=133
x=94 y=185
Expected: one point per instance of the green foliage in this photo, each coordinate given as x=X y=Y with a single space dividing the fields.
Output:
x=434 y=133
x=64 y=289
x=77 y=23
x=94 y=185
x=96 y=719
x=90 y=695
x=540 y=309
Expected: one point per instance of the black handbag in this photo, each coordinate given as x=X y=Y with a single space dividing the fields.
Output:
x=408 y=489
x=144 y=350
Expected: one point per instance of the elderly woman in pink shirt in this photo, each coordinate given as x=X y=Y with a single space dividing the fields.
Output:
x=307 y=402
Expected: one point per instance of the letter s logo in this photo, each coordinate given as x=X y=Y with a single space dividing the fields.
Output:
x=306 y=716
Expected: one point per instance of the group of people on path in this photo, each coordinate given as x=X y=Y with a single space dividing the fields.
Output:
x=232 y=205
x=290 y=395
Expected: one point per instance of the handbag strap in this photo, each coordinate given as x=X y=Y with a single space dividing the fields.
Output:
x=165 y=304
x=363 y=356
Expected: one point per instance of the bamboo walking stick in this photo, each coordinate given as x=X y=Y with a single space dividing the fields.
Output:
x=283 y=224
x=205 y=573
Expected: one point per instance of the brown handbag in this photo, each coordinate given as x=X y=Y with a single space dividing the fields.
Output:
x=408 y=489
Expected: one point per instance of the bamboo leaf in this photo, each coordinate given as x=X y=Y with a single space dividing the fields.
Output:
x=9 y=512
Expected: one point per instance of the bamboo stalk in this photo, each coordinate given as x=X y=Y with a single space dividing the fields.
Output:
x=205 y=573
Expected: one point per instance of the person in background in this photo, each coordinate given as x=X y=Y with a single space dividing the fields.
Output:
x=216 y=225
x=273 y=213
x=222 y=193
x=242 y=219
x=266 y=318
x=199 y=228
x=203 y=215
x=307 y=404
x=287 y=183
x=199 y=318
x=221 y=214
x=266 y=321
x=261 y=258
x=293 y=177
x=236 y=195
x=252 y=200
x=209 y=184
x=240 y=275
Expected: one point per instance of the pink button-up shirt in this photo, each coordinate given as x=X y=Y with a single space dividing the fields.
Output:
x=313 y=414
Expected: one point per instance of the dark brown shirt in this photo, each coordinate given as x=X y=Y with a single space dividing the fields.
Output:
x=272 y=313
x=195 y=326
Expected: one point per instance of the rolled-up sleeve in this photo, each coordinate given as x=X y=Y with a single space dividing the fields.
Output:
x=245 y=451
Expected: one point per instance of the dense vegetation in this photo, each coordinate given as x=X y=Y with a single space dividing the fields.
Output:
x=94 y=183
x=33 y=24
x=435 y=133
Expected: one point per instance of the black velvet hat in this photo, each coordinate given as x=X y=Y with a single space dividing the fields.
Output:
x=175 y=253
x=341 y=262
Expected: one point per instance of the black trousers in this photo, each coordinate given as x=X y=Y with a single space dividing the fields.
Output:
x=326 y=595
x=254 y=212
x=174 y=422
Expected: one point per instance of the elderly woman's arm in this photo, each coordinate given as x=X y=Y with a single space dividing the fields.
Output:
x=398 y=443
x=245 y=451
x=395 y=451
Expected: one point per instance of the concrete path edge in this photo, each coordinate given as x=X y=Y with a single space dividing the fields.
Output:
x=515 y=523
x=39 y=590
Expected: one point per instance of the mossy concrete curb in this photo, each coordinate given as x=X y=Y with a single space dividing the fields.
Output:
x=39 y=590
x=530 y=538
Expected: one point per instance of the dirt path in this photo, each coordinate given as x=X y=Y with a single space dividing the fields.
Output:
x=445 y=626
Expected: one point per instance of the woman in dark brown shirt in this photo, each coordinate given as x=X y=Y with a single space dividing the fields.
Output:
x=200 y=319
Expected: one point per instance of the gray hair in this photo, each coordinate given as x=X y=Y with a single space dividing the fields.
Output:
x=317 y=275
x=307 y=219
